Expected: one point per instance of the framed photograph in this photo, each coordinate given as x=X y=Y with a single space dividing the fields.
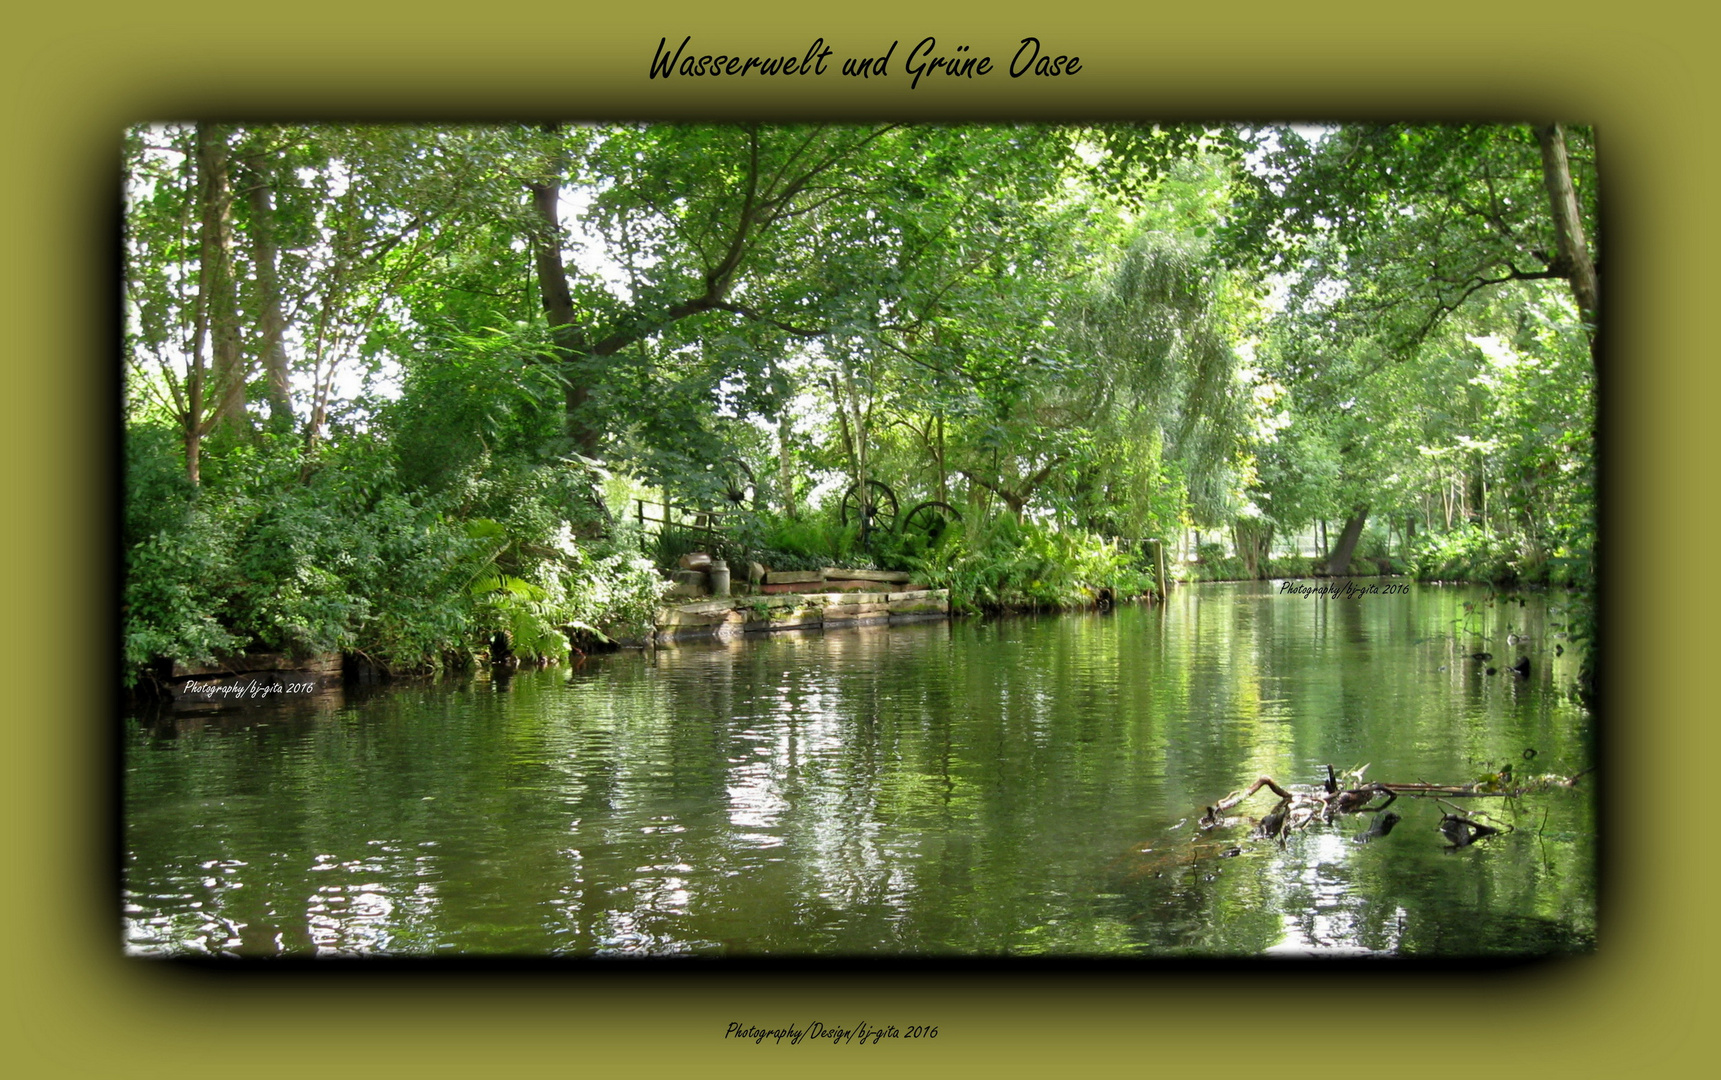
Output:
x=1113 y=540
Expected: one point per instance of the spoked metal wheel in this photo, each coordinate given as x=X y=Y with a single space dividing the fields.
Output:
x=738 y=489
x=876 y=511
x=930 y=519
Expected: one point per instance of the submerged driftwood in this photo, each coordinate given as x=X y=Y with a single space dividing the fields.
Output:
x=1297 y=809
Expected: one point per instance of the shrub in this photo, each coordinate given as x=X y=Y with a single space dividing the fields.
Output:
x=1468 y=555
x=804 y=543
x=333 y=555
x=1290 y=566
x=1009 y=565
x=173 y=597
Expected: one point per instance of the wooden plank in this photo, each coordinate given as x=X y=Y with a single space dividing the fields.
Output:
x=326 y=664
x=253 y=662
x=793 y=577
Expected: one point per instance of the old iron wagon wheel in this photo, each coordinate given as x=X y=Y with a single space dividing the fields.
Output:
x=877 y=511
x=930 y=519
x=739 y=488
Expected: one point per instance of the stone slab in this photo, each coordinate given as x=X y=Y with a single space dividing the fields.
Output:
x=677 y=618
x=817 y=586
x=788 y=619
x=703 y=607
x=929 y=606
x=853 y=611
x=864 y=620
x=833 y=573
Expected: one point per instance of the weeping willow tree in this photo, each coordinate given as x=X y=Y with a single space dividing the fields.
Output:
x=1175 y=411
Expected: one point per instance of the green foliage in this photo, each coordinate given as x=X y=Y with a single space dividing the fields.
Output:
x=173 y=601
x=1412 y=220
x=1469 y=555
x=469 y=398
x=805 y=543
x=1291 y=566
x=1213 y=564
x=613 y=592
x=158 y=497
x=271 y=554
x=1010 y=565
x=1067 y=332
x=670 y=543
x=1373 y=544
x=412 y=567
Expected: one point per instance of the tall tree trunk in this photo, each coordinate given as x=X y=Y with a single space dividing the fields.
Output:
x=943 y=470
x=1574 y=256
x=571 y=347
x=785 y=462
x=1253 y=539
x=324 y=347
x=1574 y=252
x=271 y=318
x=843 y=424
x=222 y=380
x=861 y=435
x=226 y=363
x=1338 y=564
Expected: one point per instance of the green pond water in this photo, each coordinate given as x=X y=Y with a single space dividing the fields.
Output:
x=1021 y=786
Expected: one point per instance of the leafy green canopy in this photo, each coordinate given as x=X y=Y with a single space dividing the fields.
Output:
x=1106 y=330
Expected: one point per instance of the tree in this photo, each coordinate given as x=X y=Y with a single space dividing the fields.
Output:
x=1385 y=232
x=709 y=209
x=182 y=289
x=1409 y=222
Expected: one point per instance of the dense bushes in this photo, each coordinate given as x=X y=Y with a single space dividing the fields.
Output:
x=807 y=542
x=1474 y=555
x=173 y=602
x=1000 y=565
x=1010 y=565
x=274 y=553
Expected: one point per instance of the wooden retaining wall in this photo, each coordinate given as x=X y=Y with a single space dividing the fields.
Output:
x=248 y=678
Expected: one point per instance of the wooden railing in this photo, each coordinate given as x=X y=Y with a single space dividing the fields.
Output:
x=672 y=516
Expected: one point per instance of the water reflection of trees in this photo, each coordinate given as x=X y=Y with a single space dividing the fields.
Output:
x=976 y=787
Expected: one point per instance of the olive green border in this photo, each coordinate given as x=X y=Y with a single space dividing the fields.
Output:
x=77 y=74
